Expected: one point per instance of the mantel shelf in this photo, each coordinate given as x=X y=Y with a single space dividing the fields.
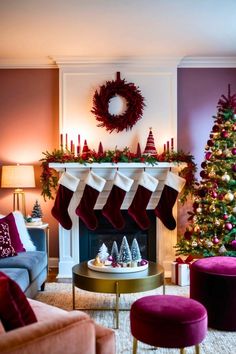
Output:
x=130 y=165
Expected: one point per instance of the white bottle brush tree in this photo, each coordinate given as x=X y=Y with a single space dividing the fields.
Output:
x=37 y=211
x=103 y=254
x=135 y=251
x=114 y=252
x=125 y=254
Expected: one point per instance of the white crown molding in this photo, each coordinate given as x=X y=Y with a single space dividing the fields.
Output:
x=75 y=61
x=27 y=63
x=208 y=62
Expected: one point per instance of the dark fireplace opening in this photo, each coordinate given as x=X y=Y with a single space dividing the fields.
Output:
x=91 y=241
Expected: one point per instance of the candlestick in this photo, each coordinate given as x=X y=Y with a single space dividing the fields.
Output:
x=78 y=150
x=172 y=144
x=168 y=146
x=78 y=139
x=66 y=141
x=164 y=148
x=61 y=141
x=71 y=146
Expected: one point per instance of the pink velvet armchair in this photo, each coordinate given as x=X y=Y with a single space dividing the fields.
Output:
x=58 y=332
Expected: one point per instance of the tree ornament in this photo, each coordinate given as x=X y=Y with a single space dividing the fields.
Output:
x=37 y=211
x=125 y=254
x=212 y=208
x=150 y=148
x=228 y=226
x=103 y=254
x=224 y=134
x=208 y=155
x=234 y=210
x=215 y=240
x=225 y=177
x=194 y=244
x=234 y=167
x=217 y=222
x=135 y=252
x=127 y=119
x=114 y=252
x=229 y=196
x=219 y=152
x=216 y=128
x=210 y=143
x=233 y=151
x=199 y=210
x=208 y=243
x=225 y=216
x=188 y=235
x=233 y=244
x=222 y=250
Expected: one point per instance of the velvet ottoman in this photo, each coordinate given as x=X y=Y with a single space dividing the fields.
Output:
x=213 y=283
x=168 y=321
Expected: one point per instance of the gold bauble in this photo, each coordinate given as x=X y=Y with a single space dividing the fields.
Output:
x=229 y=196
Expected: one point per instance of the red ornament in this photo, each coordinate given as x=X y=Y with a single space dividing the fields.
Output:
x=234 y=167
x=126 y=120
x=233 y=151
x=225 y=216
x=233 y=244
x=215 y=240
x=228 y=226
x=216 y=128
x=224 y=134
x=210 y=143
x=208 y=155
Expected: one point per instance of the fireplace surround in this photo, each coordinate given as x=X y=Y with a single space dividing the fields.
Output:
x=71 y=243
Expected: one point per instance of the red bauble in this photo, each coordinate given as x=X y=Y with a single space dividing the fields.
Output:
x=234 y=167
x=204 y=164
x=203 y=174
x=215 y=240
x=225 y=216
x=228 y=226
x=233 y=151
x=224 y=134
x=208 y=155
x=233 y=244
x=214 y=194
x=187 y=235
x=143 y=262
x=210 y=143
x=215 y=128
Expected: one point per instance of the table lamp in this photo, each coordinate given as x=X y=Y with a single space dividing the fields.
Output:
x=18 y=177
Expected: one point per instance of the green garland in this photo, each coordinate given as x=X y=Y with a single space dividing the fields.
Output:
x=49 y=177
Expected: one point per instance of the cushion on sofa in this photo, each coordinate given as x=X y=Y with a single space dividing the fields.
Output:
x=15 y=310
x=14 y=235
x=34 y=262
x=19 y=275
x=6 y=248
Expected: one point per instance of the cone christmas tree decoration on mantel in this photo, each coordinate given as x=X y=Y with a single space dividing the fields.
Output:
x=150 y=148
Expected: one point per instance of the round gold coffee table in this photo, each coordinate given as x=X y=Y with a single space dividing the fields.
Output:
x=116 y=283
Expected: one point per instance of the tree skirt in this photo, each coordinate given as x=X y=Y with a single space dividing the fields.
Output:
x=60 y=295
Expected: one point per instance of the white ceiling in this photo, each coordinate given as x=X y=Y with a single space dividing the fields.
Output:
x=39 y=29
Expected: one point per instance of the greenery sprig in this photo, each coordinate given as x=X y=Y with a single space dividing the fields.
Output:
x=49 y=177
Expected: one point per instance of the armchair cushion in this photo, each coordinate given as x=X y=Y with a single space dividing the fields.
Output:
x=15 y=310
x=6 y=249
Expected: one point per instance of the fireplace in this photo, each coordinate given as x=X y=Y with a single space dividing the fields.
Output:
x=91 y=241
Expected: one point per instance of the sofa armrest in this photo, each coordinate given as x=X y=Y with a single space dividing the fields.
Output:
x=69 y=334
x=39 y=238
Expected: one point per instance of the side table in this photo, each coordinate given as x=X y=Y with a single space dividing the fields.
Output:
x=39 y=229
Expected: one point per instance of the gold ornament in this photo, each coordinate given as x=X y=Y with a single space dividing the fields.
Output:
x=194 y=244
x=196 y=228
x=225 y=177
x=229 y=196
x=212 y=208
x=219 y=152
x=217 y=222
x=212 y=173
x=199 y=210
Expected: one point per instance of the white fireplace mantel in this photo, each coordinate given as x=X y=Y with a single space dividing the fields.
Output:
x=69 y=252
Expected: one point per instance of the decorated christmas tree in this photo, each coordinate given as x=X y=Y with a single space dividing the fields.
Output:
x=125 y=254
x=114 y=252
x=212 y=228
x=37 y=211
x=135 y=251
x=103 y=254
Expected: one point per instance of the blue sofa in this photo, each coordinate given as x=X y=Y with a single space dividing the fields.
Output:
x=29 y=269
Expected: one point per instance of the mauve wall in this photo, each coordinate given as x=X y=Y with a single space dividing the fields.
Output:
x=198 y=93
x=29 y=104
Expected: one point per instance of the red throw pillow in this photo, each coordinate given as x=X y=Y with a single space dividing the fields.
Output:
x=6 y=249
x=15 y=310
x=14 y=235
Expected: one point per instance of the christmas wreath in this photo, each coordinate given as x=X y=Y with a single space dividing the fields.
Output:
x=128 y=118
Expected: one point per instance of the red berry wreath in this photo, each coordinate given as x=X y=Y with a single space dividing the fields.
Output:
x=126 y=120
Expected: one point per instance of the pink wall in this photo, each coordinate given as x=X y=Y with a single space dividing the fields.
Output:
x=198 y=93
x=29 y=104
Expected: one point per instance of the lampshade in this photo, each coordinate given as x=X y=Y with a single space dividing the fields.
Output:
x=18 y=176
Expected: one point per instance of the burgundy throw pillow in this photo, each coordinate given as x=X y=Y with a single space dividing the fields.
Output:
x=6 y=249
x=14 y=235
x=15 y=310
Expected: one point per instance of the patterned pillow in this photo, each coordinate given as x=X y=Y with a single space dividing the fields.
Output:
x=14 y=234
x=6 y=249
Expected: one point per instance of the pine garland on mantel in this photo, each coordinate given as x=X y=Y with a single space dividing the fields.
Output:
x=49 y=177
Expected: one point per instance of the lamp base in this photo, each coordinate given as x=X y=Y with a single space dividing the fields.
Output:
x=19 y=201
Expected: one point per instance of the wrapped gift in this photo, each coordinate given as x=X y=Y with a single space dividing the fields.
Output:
x=180 y=271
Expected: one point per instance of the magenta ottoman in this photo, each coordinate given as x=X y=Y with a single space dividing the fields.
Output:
x=168 y=321
x=213 y=283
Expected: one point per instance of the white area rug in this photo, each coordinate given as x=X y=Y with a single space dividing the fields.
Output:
x=60 y=295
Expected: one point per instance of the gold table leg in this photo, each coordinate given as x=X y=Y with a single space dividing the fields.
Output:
x=135 y=345
x=197 y=349
x=117 y=305
x=73 y=296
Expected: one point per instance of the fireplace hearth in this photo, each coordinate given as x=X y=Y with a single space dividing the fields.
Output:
x=91 y=241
